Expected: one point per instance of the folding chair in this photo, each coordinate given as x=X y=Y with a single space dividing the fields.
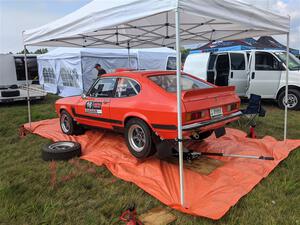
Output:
x=253 y=110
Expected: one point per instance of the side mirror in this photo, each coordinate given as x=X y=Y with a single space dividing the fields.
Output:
x=83 y=96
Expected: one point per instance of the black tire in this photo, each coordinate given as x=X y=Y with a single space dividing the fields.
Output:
x=202 y=136
x=10 y=93
x=61 y=150
x=295 y=93
x=71 y=127
x=147 y=149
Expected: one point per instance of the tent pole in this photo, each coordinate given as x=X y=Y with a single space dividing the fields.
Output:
x=27 y=86
x=286 y=83
x=179 y=114
x=128 y=47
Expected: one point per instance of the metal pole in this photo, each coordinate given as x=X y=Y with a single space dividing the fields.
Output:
x=128 y=47
x=27 y=86
x=179 y=114
x=286 y=83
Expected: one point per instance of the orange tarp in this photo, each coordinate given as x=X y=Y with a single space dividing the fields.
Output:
x=205 y=195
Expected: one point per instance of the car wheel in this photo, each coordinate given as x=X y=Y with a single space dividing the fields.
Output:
x=201 y=136
x=61 y=150
x=293 y=99
x=138 y=138
x=68 y=125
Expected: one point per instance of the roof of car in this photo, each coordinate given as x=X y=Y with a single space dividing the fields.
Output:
x=139 y=73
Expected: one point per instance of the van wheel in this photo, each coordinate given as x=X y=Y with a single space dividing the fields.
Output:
x=293 y=99
x=138 y=139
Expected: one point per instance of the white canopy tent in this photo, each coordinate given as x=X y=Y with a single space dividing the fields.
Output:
x=148 y=23
x=70 y=71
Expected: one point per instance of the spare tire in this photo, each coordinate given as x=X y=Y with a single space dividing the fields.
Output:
x=61 y=150
x=10 y=93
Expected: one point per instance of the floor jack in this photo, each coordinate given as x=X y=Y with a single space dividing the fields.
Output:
x=190 y=155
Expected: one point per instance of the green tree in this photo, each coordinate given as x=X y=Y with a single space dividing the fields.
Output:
x=41 y=51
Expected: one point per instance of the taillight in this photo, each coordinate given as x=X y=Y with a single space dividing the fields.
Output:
x=232 y=107
x=195 y=115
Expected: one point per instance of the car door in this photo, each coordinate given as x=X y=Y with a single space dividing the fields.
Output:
x=126 y=99
x=94 y=109
x=238 y=72
x=265 y=74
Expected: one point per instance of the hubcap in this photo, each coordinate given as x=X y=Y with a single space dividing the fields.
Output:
x=65 y=123
x=61 y=146
x=292 y=101
x=137 y=138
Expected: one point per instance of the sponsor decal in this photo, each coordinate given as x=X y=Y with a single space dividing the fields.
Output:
x=93 y=107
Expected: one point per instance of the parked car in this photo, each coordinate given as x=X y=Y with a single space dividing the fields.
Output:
x=260 y=72
x=143 y=105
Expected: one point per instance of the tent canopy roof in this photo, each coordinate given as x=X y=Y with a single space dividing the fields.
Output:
x=63 y=53
x=150 y=23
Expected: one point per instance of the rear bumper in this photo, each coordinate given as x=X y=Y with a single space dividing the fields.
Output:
x=194 y=126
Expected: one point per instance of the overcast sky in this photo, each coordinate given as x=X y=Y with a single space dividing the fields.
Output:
x=19 y=15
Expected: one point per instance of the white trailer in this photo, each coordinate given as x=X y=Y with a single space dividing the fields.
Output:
x=12 y=79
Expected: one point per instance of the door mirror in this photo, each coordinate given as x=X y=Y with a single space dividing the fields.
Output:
x=83 y=96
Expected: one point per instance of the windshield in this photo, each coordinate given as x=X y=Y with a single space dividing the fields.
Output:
x=168 y=82
x=294 y=63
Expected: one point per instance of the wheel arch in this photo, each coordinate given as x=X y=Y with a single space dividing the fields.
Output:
x=137 y=116
x=282 y=89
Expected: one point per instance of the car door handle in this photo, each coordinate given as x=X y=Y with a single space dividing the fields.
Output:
x=106 y=101
x=253 y=75
x=231 y=75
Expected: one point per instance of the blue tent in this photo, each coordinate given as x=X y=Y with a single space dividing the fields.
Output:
x=265 y=42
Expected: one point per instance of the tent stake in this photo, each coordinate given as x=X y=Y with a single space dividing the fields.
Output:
x=286 y=83
x=179 y=119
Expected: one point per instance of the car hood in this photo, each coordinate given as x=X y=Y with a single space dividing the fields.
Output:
x=69 y=100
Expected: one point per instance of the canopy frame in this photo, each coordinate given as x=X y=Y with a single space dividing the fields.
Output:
x=187 y=34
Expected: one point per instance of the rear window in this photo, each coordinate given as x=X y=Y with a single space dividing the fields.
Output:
x=168 y=82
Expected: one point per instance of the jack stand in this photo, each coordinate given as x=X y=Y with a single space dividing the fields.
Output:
x=252 y=131
x=129 y=216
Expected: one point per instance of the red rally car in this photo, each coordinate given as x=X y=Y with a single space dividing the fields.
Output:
x=143 y=105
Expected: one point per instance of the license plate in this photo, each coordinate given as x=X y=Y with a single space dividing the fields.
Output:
x=216 y=112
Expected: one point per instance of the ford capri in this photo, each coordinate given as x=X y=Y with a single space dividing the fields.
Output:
x=143 y=105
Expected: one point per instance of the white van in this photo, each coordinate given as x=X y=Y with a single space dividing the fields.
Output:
x=260 y=72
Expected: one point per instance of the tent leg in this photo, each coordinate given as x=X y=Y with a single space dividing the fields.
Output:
x=27 y=86
x=286 y=84
x=179 y=114
x=128 y=47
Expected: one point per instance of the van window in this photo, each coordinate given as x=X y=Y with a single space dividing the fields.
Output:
x=211 y=62
x=237 y=61
x=127 y=88
x=266 y=61
x=171 y=64
x=294 y=63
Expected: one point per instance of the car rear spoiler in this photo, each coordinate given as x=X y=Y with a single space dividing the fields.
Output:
x=197 y=92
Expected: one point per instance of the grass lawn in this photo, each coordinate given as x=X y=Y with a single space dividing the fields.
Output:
x=26 y=196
